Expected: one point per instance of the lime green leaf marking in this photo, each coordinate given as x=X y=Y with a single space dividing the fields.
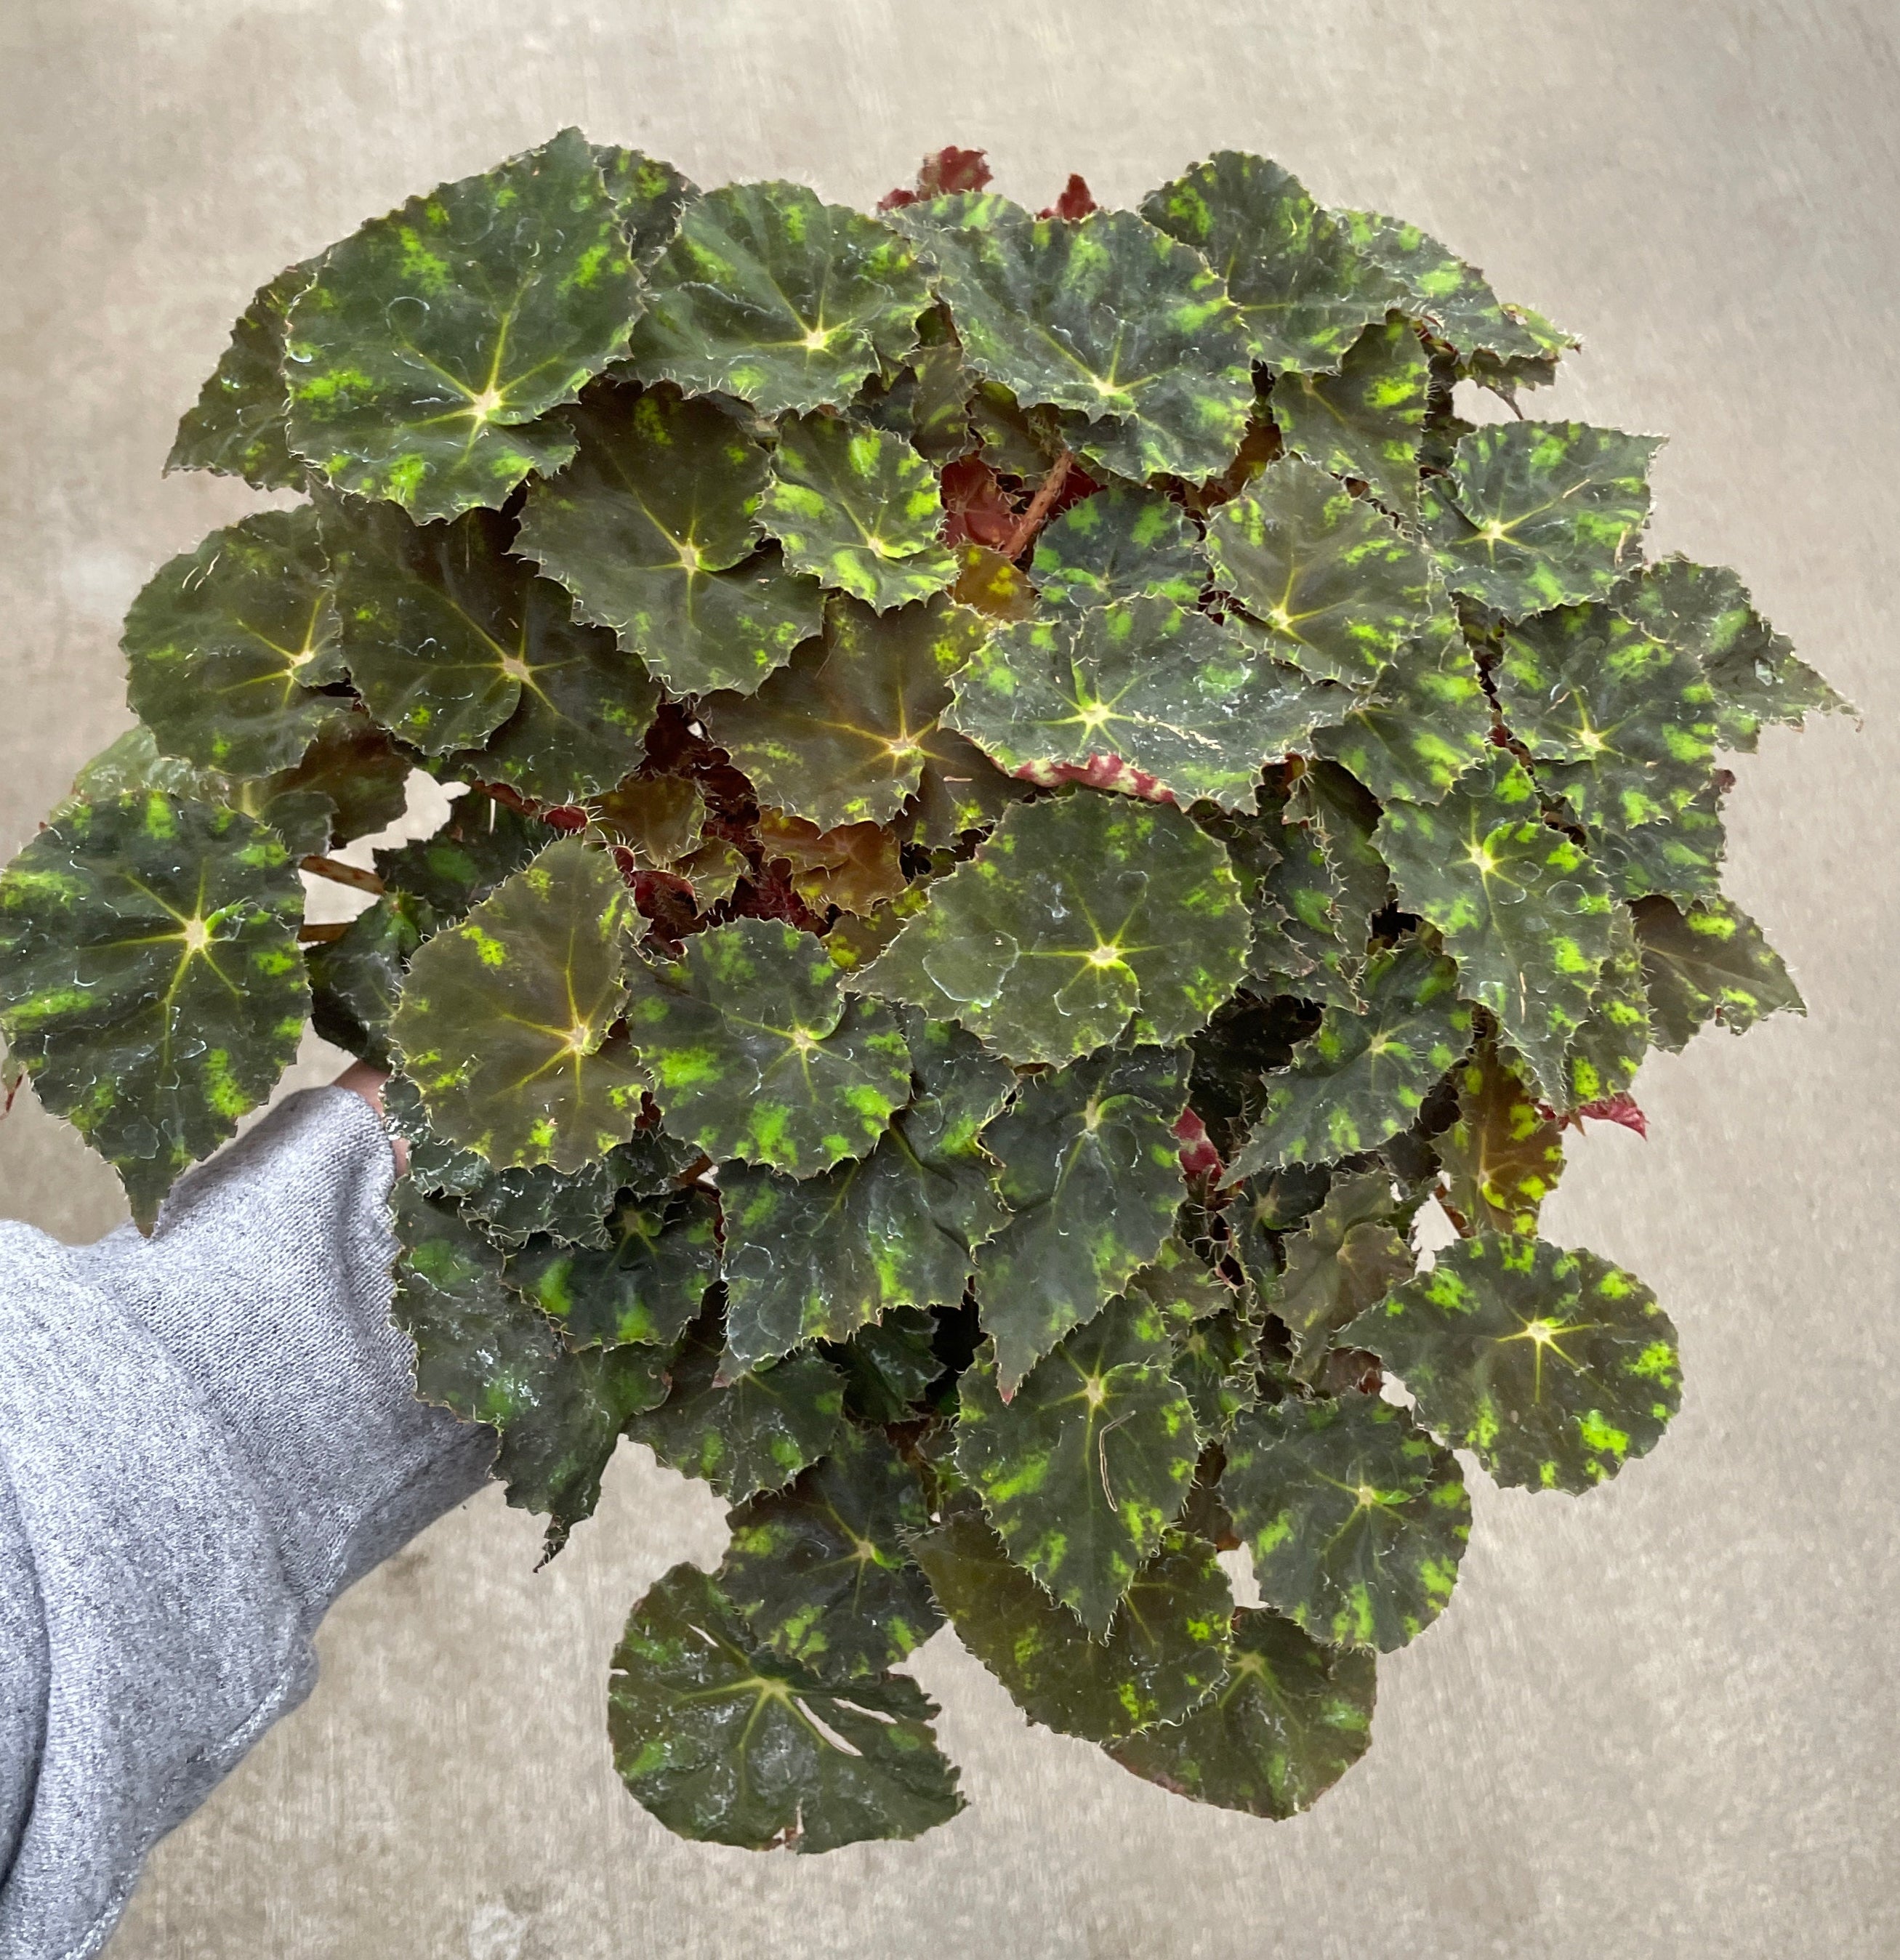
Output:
x=1709 y=961
x=1356 y=1519
x=1503 y=1156
x=355 y=981
x=644 y=1286
x=236 y=426
x=482 y=842
x=1367 y=420
x=429 y=343
x=1607 y=1051
x=1347 y=1255
x=1554 y=1366
x=1680 y=857
x=1120 y=543
x=648 y=196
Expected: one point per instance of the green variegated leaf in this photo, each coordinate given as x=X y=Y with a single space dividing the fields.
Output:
x=1555 y=1367
x=726 y=1743
x=1084 y=1468
x=1329 y=801
x=1504 y=374
x=644 y=1286
x=1606 y=1051
x=1679 y=857
x=1303 y=287
x=889 y=1366
x=1503 y=1156
x=769 y=294
x=226 y=644
x=482 y=842
x=648 y=196
x=355 y=980
x=1248 y=1038
x=1535 y=514
x=1091 y=1171
x=1105 y=316
x=1343 y=1259
x=1338 y=588
x=961 y=790
x=1217 y=1362
x=1356 y=1519
x=1705 y=612
x=1120 y=543
x=1454 y=299
x=1426 y=721
x=522 y=1202
x=150 y=980
x=1166 y=1649
x=483 y=1352
x=927 y=400
x=1366 y=422
x=755 y=1053
x=452 y=644
x=822 y=1571
x=654 y=528
x=1073 y=915
x=748 y=1431
x=1135 y=696
x=1523 y=911
x=839 y=736
x=857 y=509
x=1289 y=1721
x=1709 y=961
x=1623 y=725
x=506 y=1020
x=236 y=426
x=429 y=343
x=816 y=1259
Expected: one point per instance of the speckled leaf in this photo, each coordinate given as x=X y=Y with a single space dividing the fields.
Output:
x=1338 y=588
x=1609 y=1048
x=521 y=1202
x=648 y=196
x=990 y=583
x=1362 y=1077
x=1623 y=726
x=727 y=1744
x=1091 y=1171
x=1503 y=1156
x=889 y=1366
x=770 y=295
x=450 y=640
x=1082 y=1471
x=1555 y=1367
x=755 y=1053
x=1709 y=961
x=961 y=790
x=1523 y=911
x=236 y=426
x=1136 y=695
x=1217 y=1362
x=1302 y=941
x=355 y=980
x=1454 y=299
x=1166 y=1648
x=150 y=980
x=431 y=340
x=1332 y=804
x=1290 y=1719
x=837 y=737
x=653 y=527
x=822 y=1571
x=1426 y=721
x=481 y=843
x=1122 y=543
x=816 y=1259
x=1680 y=857
x=750 y=1432
x=505 y=1022
x=1343 y=1259
x=644 y=1286
x=1107 y=316
x=1705 y=612
x=1535 y=514
x=1072 y=915
x=1304 y=289
x=1366 y=422
x=857 y=510
x=1356 y=1519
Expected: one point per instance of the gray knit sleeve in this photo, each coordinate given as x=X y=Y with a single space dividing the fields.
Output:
x=204 y=1437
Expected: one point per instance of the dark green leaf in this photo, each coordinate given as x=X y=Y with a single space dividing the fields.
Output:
x=1166 y=1649
x=1356 y=1518
x=505 y=1022
x=236 y=426
x=1679 y=857
x=1091 y=1171
x=1216 y=1362
x=1342 y=1260
x=1290 y=1719
x=857 y=868
x=1503 y=1156
x=889 y=1365
x=1120 y=543
x=755 y=1053
x=431 y=340
x=1535 y=514
x=1303 y=287
x=1366 y=422
x=661 y=819
x=515 y=1205
x=355 y=980
x=1523 y=911
x=1556 y=1367
x=1332 y=803
x=481 y=843
x=1454 y=299
x=1337 y=586
x=1709 y=963
x=648 y=196
x=1608 y=1049
x=1074 y=914
x=823 y=1571
x=961 y=790
x=654 y=529
x=769 y=294
x=150 y=980
x=644 y=1287
x=730 y=1746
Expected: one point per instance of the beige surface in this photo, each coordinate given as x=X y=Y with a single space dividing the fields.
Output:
x=1660 y=1721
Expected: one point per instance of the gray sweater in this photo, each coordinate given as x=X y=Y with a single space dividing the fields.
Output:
x=205 y=1437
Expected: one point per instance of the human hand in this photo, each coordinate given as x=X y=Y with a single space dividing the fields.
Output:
x=361 y=1080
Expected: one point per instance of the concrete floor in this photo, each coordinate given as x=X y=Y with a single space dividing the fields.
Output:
x=1661 y=1721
